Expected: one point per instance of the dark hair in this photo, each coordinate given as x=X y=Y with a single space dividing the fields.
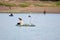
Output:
x=18 y=23
x=11 y=15
x=19 y=18
x=29 y=16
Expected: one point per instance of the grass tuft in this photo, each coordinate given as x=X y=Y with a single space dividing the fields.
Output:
x=7 y=4
x=57 y=3
x=39 y=5
x=24 y=4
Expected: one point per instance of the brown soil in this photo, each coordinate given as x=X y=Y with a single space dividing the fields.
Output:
x=30 y=9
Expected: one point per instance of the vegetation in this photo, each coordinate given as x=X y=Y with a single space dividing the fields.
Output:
x=7 y=4
x=40 y=5
x=24 y=4
x=49 y=0
x=57 y=3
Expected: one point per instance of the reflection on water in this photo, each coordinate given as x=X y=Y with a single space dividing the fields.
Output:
x=47 y=27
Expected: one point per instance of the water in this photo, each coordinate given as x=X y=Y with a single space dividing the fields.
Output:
x=47 y=27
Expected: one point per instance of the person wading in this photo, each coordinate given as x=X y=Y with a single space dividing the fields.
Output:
x=44 y=12
x=11 y=15
x=20 y=21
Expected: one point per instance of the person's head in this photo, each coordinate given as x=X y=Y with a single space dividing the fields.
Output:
x=29 y=16
x=11 y=15
x=20 y=18
x=18 y=23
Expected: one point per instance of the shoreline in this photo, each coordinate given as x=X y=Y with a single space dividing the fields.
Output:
x=30 y=9
x=25 y=13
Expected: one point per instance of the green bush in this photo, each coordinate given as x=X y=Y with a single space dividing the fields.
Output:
x=1 y=4
x=10 y=5
x=24 y=4
x=40 y=5
x=58 y=3
x=7 y=4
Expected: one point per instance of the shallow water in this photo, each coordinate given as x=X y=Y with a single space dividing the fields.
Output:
x=47 y=27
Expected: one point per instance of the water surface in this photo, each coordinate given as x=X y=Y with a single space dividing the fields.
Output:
x=47 y=27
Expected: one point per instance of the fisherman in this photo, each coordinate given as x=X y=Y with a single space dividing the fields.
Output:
x=21 y=21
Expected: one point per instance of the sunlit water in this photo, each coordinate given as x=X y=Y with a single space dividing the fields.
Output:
x=47 y=27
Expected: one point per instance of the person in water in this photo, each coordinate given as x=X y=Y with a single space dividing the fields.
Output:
x=29 y=16
x=11 y=15
x=44 y=12
x=21 y=21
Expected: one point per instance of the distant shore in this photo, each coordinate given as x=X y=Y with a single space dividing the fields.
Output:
x=30 y=6
x=29 y=9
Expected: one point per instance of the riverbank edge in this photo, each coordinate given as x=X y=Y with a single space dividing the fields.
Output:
x=54 y=10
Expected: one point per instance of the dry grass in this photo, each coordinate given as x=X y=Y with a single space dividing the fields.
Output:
x=34 y=3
